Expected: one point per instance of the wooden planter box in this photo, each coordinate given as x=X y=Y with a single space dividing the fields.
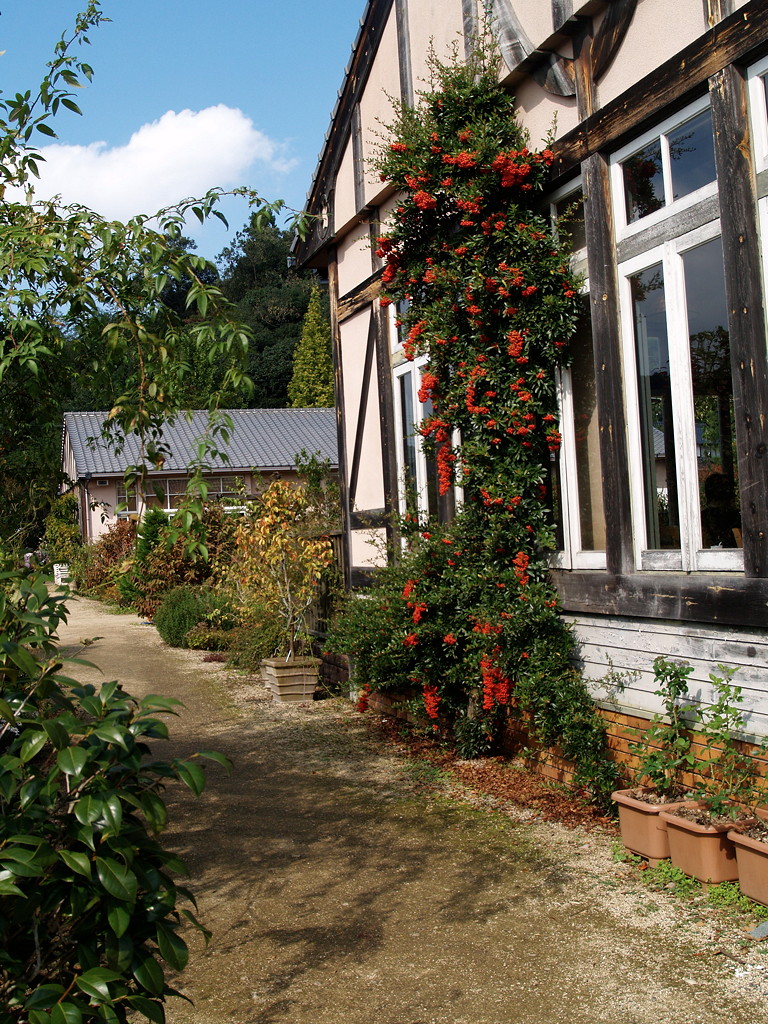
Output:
x=291 y=682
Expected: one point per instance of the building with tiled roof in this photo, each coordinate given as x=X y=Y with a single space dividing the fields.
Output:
x=262 y=442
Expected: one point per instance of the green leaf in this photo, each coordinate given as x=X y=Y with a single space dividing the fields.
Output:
x=95 y=983
x=119 y=919
x=66 y=1013
x=191 y=775
x=79 y=862
x=116 y=879
x=72 y=760
x=88 y=809
x=23 y=862
x=7 y=712
x=33 y=745
x=44 y=997
x=149 y=974
x=152 y=1011
x=112 y=733
x=214 y=755
x=7 y=887
x=172 y=948
x=56 y=733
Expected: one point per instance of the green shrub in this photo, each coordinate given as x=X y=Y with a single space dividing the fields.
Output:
x=62 y=539
x=204 y=637
x=89 y=911
x=180 y=610
x=248 y=644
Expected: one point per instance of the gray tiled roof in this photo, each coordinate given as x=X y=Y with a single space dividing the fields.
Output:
x=264 y=439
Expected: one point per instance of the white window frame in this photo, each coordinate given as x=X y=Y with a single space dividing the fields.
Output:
x=415 y=369
x=758 y=109
x=571 y=556
x=625 y=228
x=690 y=556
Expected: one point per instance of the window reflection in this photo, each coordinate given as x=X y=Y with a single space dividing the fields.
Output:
x=655 y=402
x=643 y=182
x=570 y=220
x=408 y=441
x=692 y=155
x=712 y=396
x=587 y=438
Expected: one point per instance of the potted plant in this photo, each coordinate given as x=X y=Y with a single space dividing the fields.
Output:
x=279 y=560
x=663 y=753
x=751 y=845
x=699 y=834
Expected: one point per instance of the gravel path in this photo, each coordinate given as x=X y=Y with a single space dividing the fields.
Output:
x=338 y=893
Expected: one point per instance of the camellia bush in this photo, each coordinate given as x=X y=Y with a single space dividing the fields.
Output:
x=90 y=909
x=468 y=615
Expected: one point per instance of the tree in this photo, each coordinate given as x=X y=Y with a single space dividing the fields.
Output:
x=312 y=381
x=272 y=299
x=89 y=910
x=62 y=267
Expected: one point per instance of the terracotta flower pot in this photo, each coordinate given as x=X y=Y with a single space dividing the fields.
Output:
x=290 y=681
x=643 y=830
x=702 y=851
x=752 y=858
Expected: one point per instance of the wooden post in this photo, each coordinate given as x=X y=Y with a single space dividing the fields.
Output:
x=746 y=315
x=606 y=337
x=341 y=433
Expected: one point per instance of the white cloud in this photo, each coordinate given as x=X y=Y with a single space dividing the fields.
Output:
x=180 y=155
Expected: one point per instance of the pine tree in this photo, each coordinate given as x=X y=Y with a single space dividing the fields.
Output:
x=312 y=382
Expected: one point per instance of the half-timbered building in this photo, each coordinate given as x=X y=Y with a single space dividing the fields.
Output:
x=661 y=148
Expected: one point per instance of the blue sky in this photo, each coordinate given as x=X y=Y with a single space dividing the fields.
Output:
x=187 y=95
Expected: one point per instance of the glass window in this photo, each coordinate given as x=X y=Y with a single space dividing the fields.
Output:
x=586 y=437
x=643 y=182
x=679 y=161
x=681 y=430
x=692 y=155
x=128 y=498
x=657 y=437
x=712 y=395
x=417 y=473
x=569 y=215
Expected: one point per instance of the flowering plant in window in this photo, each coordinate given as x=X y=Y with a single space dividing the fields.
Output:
x=488 y=296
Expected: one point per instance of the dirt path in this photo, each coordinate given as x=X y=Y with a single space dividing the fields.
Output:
x=337 y=894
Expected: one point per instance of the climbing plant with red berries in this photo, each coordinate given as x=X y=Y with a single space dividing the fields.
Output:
x=483 y=289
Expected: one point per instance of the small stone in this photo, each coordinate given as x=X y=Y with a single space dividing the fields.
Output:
x=760 y=932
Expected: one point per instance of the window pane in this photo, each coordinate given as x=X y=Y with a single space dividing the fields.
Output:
x=655 y=402
x=408 y=439
x=712 y=395
x=588 y=472
x=177 y=485
x=570 y=219
x=643 y=182
x=129 y=498
x=692 y=155
x=431 y=468
x=156 y=495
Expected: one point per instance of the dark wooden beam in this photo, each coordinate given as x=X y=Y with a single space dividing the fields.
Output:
x=358 y=160
x=606 y=337
x=386 y=417
x=746 y=316
x=469 y=16
x=354 y=469
x=360 y=296
x=740 y=38
x=606 y=340
x=716 y=598
x=341 y=430
x=562 y=11
x=404 y=52
x=363 y=54
x=716 y=10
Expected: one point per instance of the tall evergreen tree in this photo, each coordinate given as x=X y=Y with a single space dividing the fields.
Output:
x=312 y=381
